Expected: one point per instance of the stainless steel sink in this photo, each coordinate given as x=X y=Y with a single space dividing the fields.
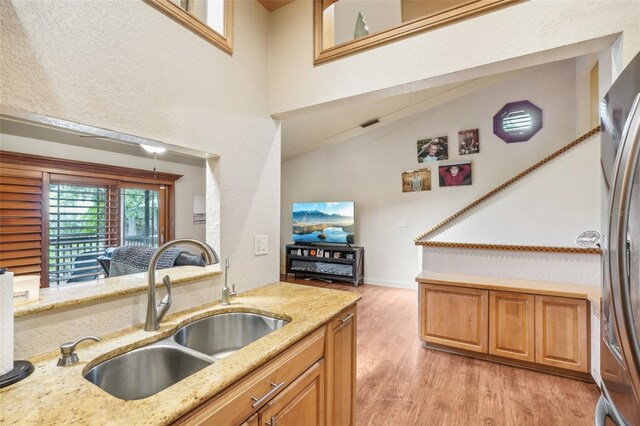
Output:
x=145 y=371
x=220 y=335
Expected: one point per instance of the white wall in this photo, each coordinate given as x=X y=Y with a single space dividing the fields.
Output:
x=367 y=169
x=124 y=66
x=525 y=34
x=549 y=207
x=537 y=266
x=191 y=183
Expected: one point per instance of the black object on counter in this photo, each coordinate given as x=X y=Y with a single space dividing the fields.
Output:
x=21 y=370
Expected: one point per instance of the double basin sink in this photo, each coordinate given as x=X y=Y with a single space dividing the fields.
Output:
x=148 y=370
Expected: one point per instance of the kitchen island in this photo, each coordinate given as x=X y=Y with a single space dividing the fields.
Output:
x=321 y=320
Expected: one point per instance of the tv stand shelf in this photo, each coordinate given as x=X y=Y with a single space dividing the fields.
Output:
x=326 y=261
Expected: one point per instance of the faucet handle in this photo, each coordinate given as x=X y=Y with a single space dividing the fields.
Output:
x=233 y=290
x=67 y=351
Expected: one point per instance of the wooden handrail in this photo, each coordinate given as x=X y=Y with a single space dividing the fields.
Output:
x=499 y=189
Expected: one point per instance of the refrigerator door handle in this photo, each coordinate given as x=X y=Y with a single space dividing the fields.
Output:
x=604 y=410
x=620 y=202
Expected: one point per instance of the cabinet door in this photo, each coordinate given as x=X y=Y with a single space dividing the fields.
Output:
x=252 y=421
x=301 y=403
x=341 y=368
x=561 y=333
x=454 y=316
x=512 y=326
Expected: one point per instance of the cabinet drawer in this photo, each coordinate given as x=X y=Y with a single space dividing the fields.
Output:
x=343 y=318
x=301 y=404
x=454 y=316
x=237 y=403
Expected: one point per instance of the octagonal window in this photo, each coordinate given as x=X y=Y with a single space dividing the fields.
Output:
x=517 y=121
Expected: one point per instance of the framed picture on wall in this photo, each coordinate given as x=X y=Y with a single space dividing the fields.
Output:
x=416 y=180
x=434 y=149
x=320 y=253
x=455 y=174
x=468 y=142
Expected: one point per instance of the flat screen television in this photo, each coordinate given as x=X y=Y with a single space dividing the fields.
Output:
x=331 y=223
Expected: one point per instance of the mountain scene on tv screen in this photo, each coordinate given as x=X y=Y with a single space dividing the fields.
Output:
x=323 y=223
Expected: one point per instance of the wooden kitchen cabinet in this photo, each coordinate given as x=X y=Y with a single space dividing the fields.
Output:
x=561 y=333
x=538 y=325
x=454 y=316
x=252 y=421
x=301 y=403
x=301 y=386
x=512 y=325
x=237 y=404
x=340 y=356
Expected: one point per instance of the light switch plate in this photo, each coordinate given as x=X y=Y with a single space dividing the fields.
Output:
x=261 y=245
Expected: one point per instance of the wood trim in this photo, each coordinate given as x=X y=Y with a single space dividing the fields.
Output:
x=44 y=274
x=82 y=168
x=407 y=29
x=545 y=249
x=171 y=217
x=566 y=290
x=340 y=354
x=223 y=41
x=585 y=377
x=501 y=188
x=72 y=179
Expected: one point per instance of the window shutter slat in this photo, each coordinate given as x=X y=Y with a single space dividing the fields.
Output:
x=21 y=214
x=83 y=221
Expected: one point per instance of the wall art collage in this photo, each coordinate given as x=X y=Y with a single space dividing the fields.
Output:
x=433 y=150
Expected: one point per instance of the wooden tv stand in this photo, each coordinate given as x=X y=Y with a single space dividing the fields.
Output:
x=337 y=262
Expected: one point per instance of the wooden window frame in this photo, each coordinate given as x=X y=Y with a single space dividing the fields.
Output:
x=407 y=29
x=69 y=171
x=191 y=22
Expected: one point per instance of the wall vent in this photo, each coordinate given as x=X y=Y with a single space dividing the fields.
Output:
x=370 y=123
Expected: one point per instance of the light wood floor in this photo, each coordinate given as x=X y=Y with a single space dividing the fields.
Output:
x=401 y=383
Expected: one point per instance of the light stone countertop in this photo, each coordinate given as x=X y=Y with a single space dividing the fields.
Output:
x=576 y=291
x=61 y=395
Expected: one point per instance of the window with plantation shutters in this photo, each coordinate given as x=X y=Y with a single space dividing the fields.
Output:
x=57 y=216
x=21 y=221
x=83 y=222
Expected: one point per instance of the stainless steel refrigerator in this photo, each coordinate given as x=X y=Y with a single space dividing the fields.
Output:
x=620 y=315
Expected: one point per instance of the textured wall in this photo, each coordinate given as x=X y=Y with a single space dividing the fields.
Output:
x=368 y=168
x=529 y=33
x=122 y=65
x=553 y=267
x=43 y=332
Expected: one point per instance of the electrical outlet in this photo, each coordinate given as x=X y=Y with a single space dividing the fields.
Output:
x=261 y=245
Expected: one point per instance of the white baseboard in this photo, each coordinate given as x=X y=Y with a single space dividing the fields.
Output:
x=386 y=283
